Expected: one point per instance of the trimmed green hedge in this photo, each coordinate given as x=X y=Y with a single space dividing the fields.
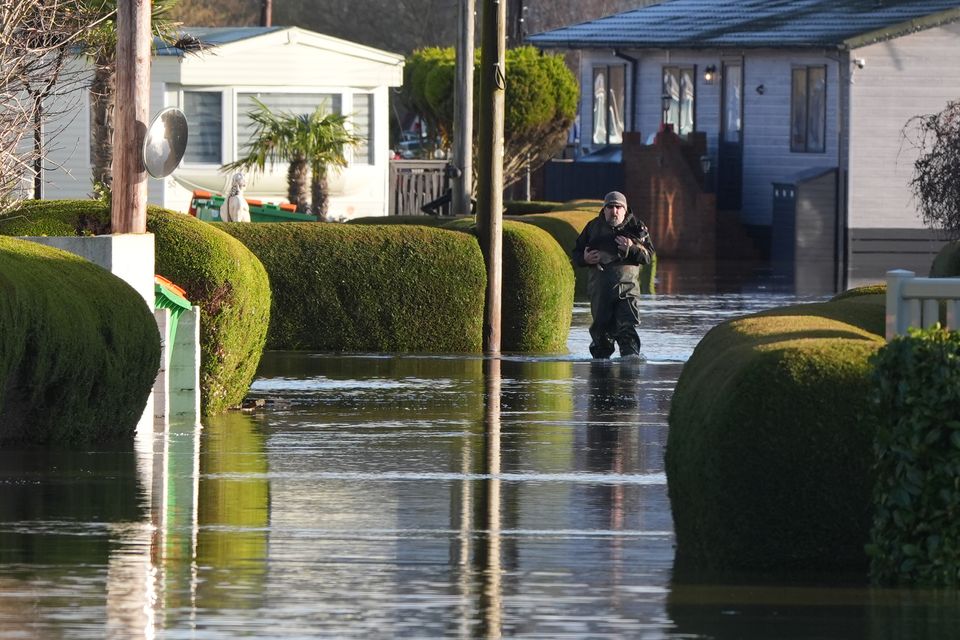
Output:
x=526 y=207
x=387 y=288
x=218 y=273
x=868 y=294
x=768 y=461
x=915 y=538
x=538 y=283
x=564 y=223
x=538 y=287
x=79 y=351
x=946 y=264
x=423 y=221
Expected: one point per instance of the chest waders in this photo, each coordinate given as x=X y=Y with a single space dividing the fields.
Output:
x=614 y=305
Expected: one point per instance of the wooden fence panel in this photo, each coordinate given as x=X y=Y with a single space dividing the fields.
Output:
x=414 y=183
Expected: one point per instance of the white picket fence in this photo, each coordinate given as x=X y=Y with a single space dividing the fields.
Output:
x=915 y=302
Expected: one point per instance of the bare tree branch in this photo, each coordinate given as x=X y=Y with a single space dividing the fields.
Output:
x=35 y=36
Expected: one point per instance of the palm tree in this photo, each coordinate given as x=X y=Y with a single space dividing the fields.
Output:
x=310 y=143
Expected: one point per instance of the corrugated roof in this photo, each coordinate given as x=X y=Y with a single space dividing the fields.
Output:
x=753 y=23
x=214 y=36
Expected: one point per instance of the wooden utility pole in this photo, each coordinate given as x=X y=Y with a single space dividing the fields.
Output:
x=463 y=113
x=490 y=159
x=517 y=21
x=266 y=13
x=38 y=146
x=129 y=210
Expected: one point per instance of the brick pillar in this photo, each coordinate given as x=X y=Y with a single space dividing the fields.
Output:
x=665 y=191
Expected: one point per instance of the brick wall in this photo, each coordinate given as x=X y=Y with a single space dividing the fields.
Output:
x=664 y=185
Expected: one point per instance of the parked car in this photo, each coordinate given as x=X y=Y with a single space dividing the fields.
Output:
x=411 y=149
x=420 y=149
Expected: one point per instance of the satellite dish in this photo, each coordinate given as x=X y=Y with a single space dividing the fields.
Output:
x=165 y=142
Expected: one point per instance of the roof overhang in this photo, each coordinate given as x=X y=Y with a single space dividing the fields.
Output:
x=905 y=28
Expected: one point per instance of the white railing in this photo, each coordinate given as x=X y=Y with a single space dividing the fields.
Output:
x=915 y=302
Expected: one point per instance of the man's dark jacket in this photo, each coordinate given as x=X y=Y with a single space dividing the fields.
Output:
x=619 y=271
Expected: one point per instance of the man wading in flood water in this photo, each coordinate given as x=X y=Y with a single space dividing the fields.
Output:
x=614 y=245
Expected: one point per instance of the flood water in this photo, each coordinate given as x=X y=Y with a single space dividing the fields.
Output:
x=385 y=496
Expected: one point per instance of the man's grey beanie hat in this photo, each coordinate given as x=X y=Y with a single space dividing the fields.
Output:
x=615 y=197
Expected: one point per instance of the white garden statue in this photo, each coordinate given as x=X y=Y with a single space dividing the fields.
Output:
x=235 y=207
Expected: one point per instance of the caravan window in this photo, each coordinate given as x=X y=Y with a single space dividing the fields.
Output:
x=808 y=110
x=609 y=83
x=679 y=98
x=204 y=112
x=298 y=103
x=362 y=121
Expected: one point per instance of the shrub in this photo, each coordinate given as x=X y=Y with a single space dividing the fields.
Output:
x=231 y=288
x=936 y=139
x=584 y=204
x=79 y=351
x=535 y=312
x=540 y=102
x=537 y=304
x=219 y=275
x=370 y=288
x=423 y=221
x=564 y=224
x=915 y=538
x=767 y=460
x=537 y=291
x=869 y=294
x=946 y=264
x=524 y=207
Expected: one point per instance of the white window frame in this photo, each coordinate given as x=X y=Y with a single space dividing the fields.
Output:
x=803 y=145
x=677 y=104
x=608 y=105
x=224 y=113
x=229 y=116
x=350 y=152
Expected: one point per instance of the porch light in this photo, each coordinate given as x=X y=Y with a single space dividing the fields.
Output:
x=666 y=100
x=710 y=73
x=705 y=164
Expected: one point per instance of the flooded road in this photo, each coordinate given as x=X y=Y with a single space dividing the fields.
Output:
x=384 y=496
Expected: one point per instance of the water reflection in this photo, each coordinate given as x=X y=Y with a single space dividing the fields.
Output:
x=827 y=608
x=488 y=554
x=382 y=495
x=79 y=520
x=234 y=515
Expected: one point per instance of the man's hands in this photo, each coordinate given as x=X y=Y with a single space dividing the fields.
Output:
x=594 y=256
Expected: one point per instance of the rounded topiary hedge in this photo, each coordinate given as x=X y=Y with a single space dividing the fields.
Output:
x=537 y=304
x=946 y=264
x=538 y=285
x=218 y=273
x=526 y=207
x=79 y=351
x=564 y=222
x=390 y=288
x=231 y=288
x=424 y=220
x=768 y=459
x=868 y=294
